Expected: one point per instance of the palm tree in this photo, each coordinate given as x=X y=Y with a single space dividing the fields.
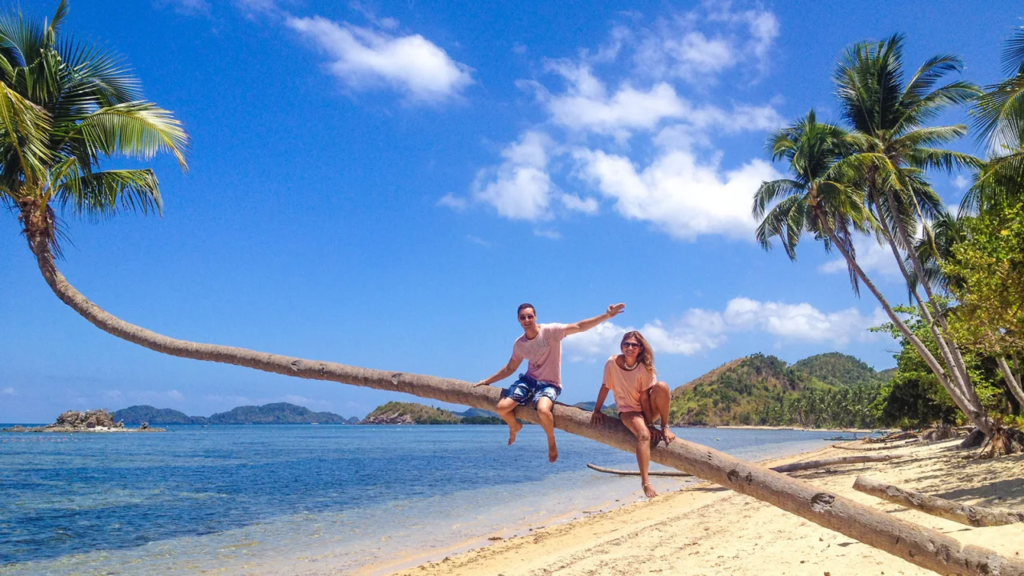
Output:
x=824 y=200
x=999 y=119
x=891 y=151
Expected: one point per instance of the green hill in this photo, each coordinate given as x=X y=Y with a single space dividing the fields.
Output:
x=277 y=413
x=410 y=413
x=736 y=392
x=136 y=415
x=837 y=369
x=825 y=390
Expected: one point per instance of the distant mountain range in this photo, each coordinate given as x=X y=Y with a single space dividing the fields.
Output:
x=277 y=413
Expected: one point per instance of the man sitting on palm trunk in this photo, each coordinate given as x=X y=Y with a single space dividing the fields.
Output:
x=541 y=346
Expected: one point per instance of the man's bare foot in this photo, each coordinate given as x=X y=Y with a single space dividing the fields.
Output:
x=649 y=491
x=669 y=436
x=512 y=431
x=552 y=452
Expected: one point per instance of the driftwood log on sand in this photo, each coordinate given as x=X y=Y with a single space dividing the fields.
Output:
x=916 y=544
x=832 y=462
x=962 y=513
x=796 y=466
x=637 y=472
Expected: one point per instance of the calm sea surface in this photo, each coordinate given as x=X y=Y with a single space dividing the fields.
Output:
x=303 y=499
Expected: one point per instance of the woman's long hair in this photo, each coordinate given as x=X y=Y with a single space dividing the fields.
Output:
x=646 y=355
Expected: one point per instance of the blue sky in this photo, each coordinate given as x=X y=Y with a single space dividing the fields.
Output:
x=381 y=184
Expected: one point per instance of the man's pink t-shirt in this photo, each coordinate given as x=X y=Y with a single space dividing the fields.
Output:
x=544 y=353
x=627 y=385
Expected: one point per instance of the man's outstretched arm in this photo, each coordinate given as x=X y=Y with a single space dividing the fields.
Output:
x=505 y=372
x=584 y=325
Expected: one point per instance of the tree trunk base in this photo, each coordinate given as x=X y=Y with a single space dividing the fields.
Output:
x=1005 y=441
x=975 y=439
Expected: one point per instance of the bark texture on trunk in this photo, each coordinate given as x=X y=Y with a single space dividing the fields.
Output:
x=970 y=515
x=926 y=548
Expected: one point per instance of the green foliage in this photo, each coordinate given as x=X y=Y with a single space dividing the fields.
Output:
x=276 y=413
x=763 y=390
x=915 y=399
x=989 y=264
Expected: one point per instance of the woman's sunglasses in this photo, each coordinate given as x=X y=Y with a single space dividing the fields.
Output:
x=631 y=345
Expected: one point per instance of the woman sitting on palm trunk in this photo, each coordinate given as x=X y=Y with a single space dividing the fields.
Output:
x=642 y=400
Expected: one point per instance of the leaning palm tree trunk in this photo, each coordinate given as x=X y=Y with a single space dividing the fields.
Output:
x=1011 y=380
x=919 y=545
x=940 y=373
x=937 y=323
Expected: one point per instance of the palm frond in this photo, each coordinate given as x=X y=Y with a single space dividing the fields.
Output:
x=24 y=128
x=769 y=192
x=102 y=194
x=135 y=129
x=1012 y=56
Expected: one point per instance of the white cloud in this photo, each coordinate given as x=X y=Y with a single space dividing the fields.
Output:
x=585 y=106
x=800 y=321
x=961 y=182
x=9 y=391
x=478 y=241
x=701 y=330
x=520 y=188
x=679 y=194
x=188 y=7
x=699 y=45
x=453 y=202
x=364 y=59
x=874 y=259
x=549 y=234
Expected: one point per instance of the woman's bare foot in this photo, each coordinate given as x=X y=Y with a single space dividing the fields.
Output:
x=669 y=436
x=552 y=452
x=512 y=431
x=649 y=491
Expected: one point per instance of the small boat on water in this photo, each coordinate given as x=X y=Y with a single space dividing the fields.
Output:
x=841 y=439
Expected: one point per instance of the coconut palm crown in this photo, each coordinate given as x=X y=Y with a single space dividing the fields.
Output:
x=66 y=107
x=817 y=199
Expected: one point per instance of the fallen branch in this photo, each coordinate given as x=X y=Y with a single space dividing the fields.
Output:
x=832 y=462
x=784 y=468
x=894 y=437
x=869 y=448
x=637 y=472
x=962 y=513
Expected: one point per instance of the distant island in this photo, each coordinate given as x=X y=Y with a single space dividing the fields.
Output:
x=276 y=413
x=413 y=413
x=89 y=421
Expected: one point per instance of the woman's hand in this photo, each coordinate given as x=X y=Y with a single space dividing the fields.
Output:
x=597 y=418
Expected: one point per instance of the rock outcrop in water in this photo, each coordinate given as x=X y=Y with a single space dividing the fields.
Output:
x=89 y=421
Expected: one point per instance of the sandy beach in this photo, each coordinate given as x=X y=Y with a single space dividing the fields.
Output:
x=707 y=530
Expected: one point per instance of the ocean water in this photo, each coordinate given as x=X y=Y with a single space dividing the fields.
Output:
x=304 y=499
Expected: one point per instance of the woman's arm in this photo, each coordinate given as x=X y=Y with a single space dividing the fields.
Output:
x=597 y=417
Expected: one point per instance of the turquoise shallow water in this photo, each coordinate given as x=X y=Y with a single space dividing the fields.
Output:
x=302 y=499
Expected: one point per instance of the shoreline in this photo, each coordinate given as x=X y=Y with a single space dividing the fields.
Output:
x=706 y=529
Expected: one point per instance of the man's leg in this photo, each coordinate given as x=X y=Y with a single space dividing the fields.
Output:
x=661 y=401
x=547 y=422
x=507 y=410
x=635 y=422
